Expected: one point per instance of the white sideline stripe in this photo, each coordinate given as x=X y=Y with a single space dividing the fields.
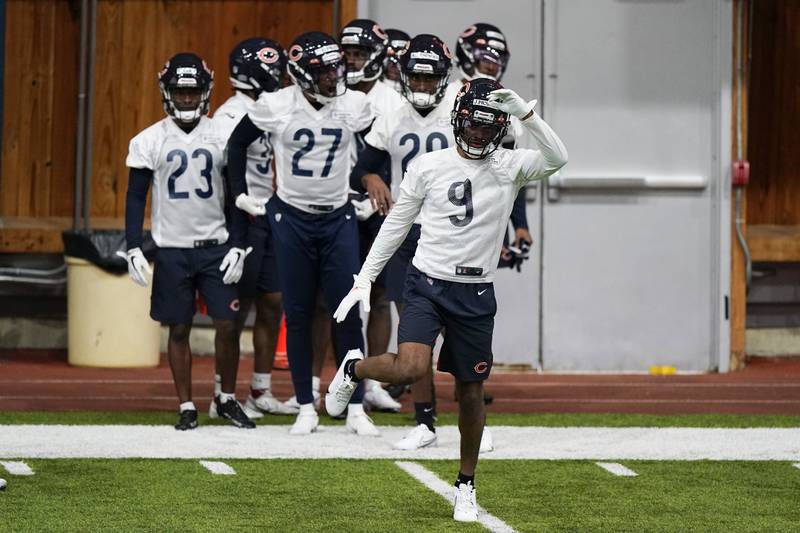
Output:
x=219 y=468
x=797 y=465
x=445 y=490
x=336 y=442
x=123 y=398
x=617 y=469
x=17 y=468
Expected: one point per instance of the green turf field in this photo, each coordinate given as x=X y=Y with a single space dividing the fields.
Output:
x=325 y=495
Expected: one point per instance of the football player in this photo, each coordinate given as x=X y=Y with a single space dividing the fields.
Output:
x=313 y=125
x=364 y=44
x=183 y=156
x=397 y=40
x=464 y=195
x=420 y=125
x=257 y=65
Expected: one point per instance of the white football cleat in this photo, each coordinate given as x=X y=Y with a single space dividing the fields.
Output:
x=291 y=403
x=465 y=508
x=306 y=422
x=267 y=403
x=487 y=442
x=212 y=409
x=342 y=387
x=419 y=437
x=378 y=399
x=359 y=423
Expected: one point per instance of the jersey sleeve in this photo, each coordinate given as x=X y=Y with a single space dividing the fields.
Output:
x=265 y=113
x=396 y=225
x=379 y=135
x=550 y=156
x=142 y=151
x=361 y=110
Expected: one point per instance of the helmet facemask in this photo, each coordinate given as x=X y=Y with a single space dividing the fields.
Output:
x=423 y=90
x=357 y=58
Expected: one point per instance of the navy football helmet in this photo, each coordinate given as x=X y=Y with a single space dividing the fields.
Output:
x=482 y=45
x=257 y=64
x=425 y=70
x=316 y=65
x=398 y=41
x=364 y=43
x=185 y=72
x=478 y=127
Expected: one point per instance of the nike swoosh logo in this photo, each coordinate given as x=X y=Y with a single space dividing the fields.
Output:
x=481 y=292
x=428 y=410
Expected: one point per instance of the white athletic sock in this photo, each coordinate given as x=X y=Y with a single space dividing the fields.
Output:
x=315 y=383
x=187 y=406
x=217 y=384
x=355 y=409
x=307 y=408
x=370 y=384
x=224 y=397
x=261 y=381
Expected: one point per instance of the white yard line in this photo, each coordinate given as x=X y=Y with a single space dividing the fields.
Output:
x=17 y=468
x=331 y=442
x=797 y=465
x=617 y=469
x=219 y=468
x=445 y=490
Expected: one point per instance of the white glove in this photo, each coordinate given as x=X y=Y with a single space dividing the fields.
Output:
x=137 y=265
x=251 y=205
x=233 y=264
x=364 y=208
x=359 y=293
x=510 y=102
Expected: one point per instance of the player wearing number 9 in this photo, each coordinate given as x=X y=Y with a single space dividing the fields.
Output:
x=182 y=156
x=313 y=125
x=464 y=195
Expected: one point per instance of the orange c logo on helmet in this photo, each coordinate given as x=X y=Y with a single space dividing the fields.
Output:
x=469 y=31
x=481 y=367
x=379 y=32
x=208 y=70
x=295 y=52
x=447 y=53
x=267 y=55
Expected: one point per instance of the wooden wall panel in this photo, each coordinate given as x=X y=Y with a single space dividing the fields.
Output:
x=39 y=108
x=773 y=196
x=127 y=98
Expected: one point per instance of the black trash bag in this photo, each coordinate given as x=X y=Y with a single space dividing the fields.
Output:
x=100 y=247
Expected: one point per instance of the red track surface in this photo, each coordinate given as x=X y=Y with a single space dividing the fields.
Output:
x=36 y=380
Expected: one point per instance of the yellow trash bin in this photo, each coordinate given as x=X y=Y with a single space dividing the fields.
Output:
x=108 y=319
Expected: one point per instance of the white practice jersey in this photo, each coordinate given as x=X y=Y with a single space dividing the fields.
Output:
x=188 y=195
x=465 y=205
x=313 y=148
x=382 y=100
x=259 y=174
x=406 y=134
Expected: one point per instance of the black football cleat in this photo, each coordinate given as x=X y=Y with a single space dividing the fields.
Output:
x=231 y=410
x=188 y=420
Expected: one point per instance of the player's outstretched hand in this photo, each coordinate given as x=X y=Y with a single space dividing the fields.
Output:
x=359 y=293
x=379 y=193
x=251 y=205
x=510 y=102
x=138 y=267
x=233 y=264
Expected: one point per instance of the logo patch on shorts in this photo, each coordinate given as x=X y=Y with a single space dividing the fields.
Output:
x=481 y=368
x=277 y=217
x=235 y=305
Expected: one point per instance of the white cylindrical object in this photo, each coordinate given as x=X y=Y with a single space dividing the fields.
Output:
x=108 y=319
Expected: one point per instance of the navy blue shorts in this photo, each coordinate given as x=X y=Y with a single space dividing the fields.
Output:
x=179 y=274
x=367 y=231
x=261 y=266
x=398 y=265
x=466 y=313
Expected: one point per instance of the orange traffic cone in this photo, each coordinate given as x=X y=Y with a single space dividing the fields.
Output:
x=281 y=361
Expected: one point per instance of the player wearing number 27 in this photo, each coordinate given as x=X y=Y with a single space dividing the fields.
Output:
x=464 y=195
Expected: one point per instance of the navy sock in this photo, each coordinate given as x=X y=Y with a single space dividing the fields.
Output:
x=350 y=370
x=424 y=414
x=465 y=479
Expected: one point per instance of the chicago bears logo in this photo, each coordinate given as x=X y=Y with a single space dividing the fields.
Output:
x=164 y=70
x=481 y=368
x=267 y=55
x=235 y=305
x=469 y=31
x=296 y=52
x=447 y=51
x=379 y=32
x=208 y=70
